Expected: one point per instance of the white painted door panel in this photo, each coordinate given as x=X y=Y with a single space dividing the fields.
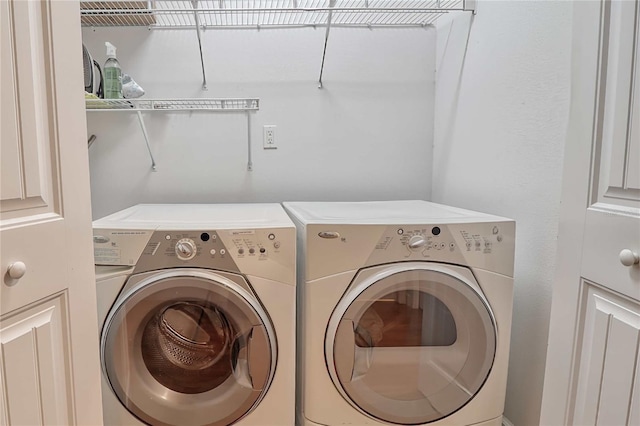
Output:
x=27 y=172
x=49 y=362
x=617 y=179
x=36 y=338
x=592 y=367
x=612 y=218
x=9 y=155
x=608 y=370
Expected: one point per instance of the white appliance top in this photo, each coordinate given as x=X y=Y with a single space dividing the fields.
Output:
x=197 y=216
x=384 y=213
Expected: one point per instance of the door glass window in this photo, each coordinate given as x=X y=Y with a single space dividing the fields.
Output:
x=187 y=347
x=413 y=347
x=406 y=318
x=189 y=350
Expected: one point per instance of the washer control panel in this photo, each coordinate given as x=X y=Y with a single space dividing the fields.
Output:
x=199 y=248
x=221 y=247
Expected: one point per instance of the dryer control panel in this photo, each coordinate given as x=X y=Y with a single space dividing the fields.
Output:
x=486 y=245
x=423 y=240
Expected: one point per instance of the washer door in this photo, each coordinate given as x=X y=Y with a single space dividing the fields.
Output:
x=412 y=343
x=189 y=348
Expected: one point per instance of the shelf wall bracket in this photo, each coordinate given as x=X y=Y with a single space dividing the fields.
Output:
x=146 y=139
x=470 y=6
x=249 y=160
x=332 y=3
x=198 y=32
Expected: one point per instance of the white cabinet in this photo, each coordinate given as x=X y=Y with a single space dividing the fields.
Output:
x=49 y=362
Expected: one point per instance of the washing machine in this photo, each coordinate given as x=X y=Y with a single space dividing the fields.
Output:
x=197 y=311
x=404 y=312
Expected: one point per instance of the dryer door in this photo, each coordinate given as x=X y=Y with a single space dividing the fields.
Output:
x=188 y=347
x=411 y=343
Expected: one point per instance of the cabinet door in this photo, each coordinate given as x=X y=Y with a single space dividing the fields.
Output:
x=592 y=372
x=49 y=362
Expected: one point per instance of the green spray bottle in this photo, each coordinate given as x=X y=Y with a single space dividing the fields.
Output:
x=112 y=74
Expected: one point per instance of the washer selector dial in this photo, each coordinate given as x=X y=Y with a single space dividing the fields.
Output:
x=186 y=249
x=416 y=242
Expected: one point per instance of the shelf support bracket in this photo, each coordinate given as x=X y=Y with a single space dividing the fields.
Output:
x=332 y=3
x=470 y=6
x=197 y=22
x=146 y=139
x=249 y=161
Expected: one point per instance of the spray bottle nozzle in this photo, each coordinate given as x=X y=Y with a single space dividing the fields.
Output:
x=111 y=50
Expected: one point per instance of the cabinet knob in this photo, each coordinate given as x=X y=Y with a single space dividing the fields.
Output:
x=17 y=270
x=629 y=258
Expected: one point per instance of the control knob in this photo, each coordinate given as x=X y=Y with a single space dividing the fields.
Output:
x=186 y=249
x=416 y=242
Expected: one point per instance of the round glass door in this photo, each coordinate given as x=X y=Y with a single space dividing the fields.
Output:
x=188 y=348
x=411 y=344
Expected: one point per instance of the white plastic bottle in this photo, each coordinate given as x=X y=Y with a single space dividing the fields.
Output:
x=112 y=74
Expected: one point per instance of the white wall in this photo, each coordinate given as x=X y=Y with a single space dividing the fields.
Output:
x=366 y=136
x=501 y=115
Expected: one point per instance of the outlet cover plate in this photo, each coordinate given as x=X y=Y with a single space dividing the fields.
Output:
x=269 y=137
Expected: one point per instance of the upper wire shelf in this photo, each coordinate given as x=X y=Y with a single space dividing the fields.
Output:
x=220 y=105
x=167 y=14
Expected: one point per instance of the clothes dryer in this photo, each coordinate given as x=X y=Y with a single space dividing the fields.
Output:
x=404 y=313
x=197 y=311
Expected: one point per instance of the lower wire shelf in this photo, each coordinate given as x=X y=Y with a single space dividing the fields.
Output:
x=226 y=105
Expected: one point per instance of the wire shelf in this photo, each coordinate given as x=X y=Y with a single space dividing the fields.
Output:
x=219 y=14
x=219 y=105
x=244 y=105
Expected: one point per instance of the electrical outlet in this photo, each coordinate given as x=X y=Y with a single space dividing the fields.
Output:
x=269 y=137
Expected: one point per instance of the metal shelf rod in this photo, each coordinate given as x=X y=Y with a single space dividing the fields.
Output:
x=249 y=155
x=326 y=41
x=195 y=14
x=146 y=139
